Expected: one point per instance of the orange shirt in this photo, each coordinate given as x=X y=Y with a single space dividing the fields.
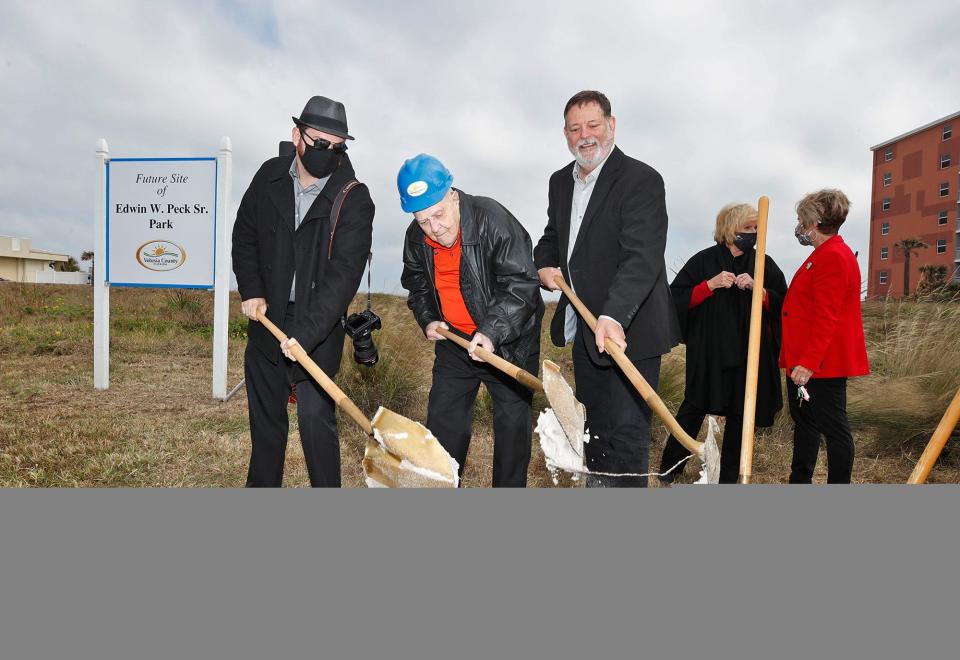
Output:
x=446 y=269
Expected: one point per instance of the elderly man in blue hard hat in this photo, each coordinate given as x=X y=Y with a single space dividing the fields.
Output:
x=468 y=267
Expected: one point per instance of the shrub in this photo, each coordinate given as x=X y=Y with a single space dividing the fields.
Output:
x=914 y=356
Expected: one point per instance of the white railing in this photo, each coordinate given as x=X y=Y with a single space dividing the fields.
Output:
x=55 y=277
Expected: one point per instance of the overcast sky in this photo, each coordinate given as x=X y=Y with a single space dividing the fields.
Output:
x=728 y=100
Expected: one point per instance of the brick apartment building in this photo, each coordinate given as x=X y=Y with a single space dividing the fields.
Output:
x=916 y=194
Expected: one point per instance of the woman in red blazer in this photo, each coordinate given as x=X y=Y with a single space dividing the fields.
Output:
x=823 y=341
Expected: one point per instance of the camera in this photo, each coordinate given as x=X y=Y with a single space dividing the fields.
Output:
x=359 y=327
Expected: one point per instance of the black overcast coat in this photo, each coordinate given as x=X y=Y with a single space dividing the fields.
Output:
x=497 y=279
x=267 y=250
x=717 y=332
x=617 y=262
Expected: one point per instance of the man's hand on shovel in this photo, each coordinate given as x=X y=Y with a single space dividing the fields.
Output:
x=480 y=339
x=287 y=348
x=253 y=307
x=607 y=328
x=547 y=276
x=431 y=330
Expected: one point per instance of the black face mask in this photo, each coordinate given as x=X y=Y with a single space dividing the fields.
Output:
x=745 y=241
x=320 y=162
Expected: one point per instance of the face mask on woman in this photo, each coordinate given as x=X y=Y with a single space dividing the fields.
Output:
x=803 y=237
x=745 y=241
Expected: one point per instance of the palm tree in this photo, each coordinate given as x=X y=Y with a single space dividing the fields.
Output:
x=87 y=255
x=908 y=246
x=68 y=266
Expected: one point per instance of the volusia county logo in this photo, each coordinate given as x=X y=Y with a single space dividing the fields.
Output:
x=161 y=255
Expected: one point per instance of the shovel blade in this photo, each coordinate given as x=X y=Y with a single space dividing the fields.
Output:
x=710 y=460
x=384 y=470
x=404 y=454
x=569 y=412
x=557 y=449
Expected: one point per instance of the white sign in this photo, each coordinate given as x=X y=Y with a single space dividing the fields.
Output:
x=161 y=222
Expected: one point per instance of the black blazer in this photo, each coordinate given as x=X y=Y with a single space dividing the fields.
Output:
x=267 y=251
x=617 y=264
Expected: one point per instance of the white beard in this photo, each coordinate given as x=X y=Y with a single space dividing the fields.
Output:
x=603 y=150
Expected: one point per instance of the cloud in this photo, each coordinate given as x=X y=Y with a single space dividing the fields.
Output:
x=727 y=100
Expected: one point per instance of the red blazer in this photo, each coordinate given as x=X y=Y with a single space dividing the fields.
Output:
x=822 y=325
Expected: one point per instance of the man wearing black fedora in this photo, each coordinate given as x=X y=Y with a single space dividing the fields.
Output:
x=300 y=244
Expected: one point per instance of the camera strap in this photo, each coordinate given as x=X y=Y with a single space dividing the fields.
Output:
x=335 y=211
x=369 y=273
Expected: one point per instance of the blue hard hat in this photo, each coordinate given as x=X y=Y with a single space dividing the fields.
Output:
x=422 y=182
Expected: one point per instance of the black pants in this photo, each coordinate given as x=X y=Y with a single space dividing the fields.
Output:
x=690 y=418
x=825 y=414
x=456 y=380
x=268 y=386
x=617 y=417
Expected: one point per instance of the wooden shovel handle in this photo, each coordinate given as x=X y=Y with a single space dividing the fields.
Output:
x=753 y=347
x=633 y=375
x=524 y=377
x=341 y=399
x=940 y=436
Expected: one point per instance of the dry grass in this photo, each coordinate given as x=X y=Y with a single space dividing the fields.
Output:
x=157 y=425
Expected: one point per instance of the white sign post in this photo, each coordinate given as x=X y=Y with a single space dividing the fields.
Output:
x=162 y=223
x=221 y=292
x=101 y=289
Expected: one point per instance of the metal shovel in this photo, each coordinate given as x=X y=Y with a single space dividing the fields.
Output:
x=401 y=453
x=707 y=452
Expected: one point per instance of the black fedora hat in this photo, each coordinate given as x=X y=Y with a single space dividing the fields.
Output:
x=324 y=115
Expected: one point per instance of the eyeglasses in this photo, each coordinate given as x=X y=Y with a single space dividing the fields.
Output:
x=321 y=144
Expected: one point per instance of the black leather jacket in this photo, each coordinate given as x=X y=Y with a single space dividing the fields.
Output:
x=498 y=280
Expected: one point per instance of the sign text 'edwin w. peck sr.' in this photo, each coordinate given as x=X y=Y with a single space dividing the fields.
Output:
x=161 y=219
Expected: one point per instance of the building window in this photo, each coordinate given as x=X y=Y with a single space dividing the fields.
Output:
x=887 y=179
x=947 y=132
x=884 y=252
x=942 y=218
x=888 y=154
x=884 y=228
x=944 y=188
x=941 y=245
x=883 y=277
x=885 y=205
x=944 y=161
